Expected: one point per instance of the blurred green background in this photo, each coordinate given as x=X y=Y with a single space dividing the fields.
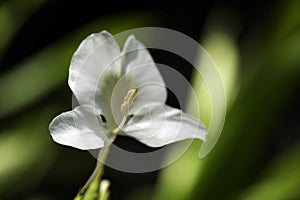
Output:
x=256 y=46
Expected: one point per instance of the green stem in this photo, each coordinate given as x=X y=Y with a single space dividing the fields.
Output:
x=102 y=157
x=99 y=170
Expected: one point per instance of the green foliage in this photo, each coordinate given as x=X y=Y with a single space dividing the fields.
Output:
x=13 y=14
x=270 y=75
x=280 y=180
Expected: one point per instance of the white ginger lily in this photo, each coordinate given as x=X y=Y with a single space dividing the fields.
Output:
x=119 y=93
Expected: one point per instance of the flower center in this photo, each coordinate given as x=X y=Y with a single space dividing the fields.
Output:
x=128 y=100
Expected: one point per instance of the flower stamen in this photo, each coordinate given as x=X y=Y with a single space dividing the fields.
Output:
x=128 y=100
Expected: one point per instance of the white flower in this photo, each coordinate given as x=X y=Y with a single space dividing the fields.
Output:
x=119 y=93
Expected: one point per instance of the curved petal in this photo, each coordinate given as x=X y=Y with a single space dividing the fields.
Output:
x=97 y=56
x=163 y=125
x=78 y=128
x=140 y=71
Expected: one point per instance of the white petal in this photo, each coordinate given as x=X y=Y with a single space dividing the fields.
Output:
x=140 y=71
x=78 y=128
x=97 y=55
x=163 y=125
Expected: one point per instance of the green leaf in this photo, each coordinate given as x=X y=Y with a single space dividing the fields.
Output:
x=178 y=180
x=281 y=179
